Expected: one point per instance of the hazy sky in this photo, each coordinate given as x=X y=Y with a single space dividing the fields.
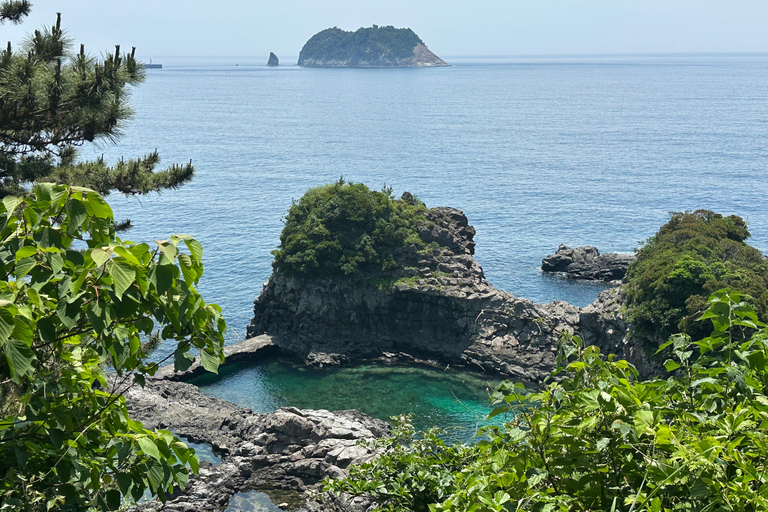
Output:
x=448 y=27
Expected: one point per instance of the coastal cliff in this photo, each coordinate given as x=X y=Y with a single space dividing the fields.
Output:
x=438 y=305
x=373 y=47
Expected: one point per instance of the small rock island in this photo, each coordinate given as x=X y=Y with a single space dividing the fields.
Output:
x=273 y=60
x=373 y=47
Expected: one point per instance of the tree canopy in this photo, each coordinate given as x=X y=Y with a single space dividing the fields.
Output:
x=346 y=229
x=690 y=257
x=53 y=100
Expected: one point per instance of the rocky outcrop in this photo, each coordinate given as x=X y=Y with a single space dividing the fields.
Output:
x=273 y=60
x=372 y=47
x=285 y=453
x=588 y=264
x=438 y=305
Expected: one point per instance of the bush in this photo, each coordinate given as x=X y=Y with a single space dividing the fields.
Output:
x=75 y=300
x=598 y=439
x=346 y=229
x=691 y=256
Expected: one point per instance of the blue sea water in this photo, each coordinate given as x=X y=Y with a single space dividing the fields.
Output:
x=537 y=151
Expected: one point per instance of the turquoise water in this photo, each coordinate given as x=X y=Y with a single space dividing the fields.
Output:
x=456 y=401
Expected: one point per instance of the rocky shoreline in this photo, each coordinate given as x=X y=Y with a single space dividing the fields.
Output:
x=438 y=306
x=285 y=454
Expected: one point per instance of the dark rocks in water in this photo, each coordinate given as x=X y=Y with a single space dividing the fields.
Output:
x=288 y=451
x=587 y=263
x=372 y=47
x=273 y=60
x=437 y=305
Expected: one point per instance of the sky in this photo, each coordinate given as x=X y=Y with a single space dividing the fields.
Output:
x=448 y=27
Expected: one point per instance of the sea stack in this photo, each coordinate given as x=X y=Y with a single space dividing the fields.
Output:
x=373 y=47
x=273 y=60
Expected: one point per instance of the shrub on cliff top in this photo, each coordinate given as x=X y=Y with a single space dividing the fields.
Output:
x=691 y=256
x=346 y=229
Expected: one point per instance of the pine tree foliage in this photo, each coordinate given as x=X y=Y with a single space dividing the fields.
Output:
x=53 y=100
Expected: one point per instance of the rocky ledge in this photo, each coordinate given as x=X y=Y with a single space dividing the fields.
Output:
x=587 y=263
x=285 y=454
x=437 y=305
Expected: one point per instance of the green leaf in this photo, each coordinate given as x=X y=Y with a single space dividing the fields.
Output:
x=123 y=275
x=113 y=499
x=195 y=248
x=11 y=203
x=149 y=447
x=671 y=365
x=98 y=207
x=6 y=323
x=25 y=252
x=99 y=256
x=77 y=214
x=209 y=361
x=190 y=275
x=20 y=358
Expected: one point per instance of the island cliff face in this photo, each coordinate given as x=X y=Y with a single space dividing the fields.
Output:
x=373 y=47
x=442 y=309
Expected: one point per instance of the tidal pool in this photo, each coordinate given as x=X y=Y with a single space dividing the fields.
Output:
x=456 y=401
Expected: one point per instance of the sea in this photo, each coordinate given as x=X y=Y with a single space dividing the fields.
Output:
x=537 y=151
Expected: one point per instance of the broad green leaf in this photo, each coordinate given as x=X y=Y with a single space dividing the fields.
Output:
x=99 y=256
x=25 y=252
x=149 y=447
x=195 y=248
x=11 y=203
x=190 y=275
x=20 y=358
x=123 y=274
x=77 y=214
x=209 y=361
x=6 y=323
x=98 y=207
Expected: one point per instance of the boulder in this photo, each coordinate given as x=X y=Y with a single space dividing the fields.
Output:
x=587 y=263
x=273 y=60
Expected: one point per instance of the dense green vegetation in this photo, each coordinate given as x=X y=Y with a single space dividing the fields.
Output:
x=691 y=256
x=596 y=438
x=347 y=229
x=74 y=298
x=364 y=44
x=53 y=99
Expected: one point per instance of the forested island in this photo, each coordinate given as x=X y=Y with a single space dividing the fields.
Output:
x=372 y=47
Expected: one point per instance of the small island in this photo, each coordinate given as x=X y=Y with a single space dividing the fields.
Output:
x=373 y=47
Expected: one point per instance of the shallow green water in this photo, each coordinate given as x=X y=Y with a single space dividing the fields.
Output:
x=453 y=400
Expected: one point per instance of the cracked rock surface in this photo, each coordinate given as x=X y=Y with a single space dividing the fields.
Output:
x=286 y=453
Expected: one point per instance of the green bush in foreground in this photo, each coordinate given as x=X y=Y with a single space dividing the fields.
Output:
x=690 y=257
x=346 y=229
x=75 y=299
x=599 y=439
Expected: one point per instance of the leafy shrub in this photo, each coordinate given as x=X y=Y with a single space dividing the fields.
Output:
x=691 y=256
x=598 y=439
x=74 y=298
x=360 y=45
x=347 y=229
